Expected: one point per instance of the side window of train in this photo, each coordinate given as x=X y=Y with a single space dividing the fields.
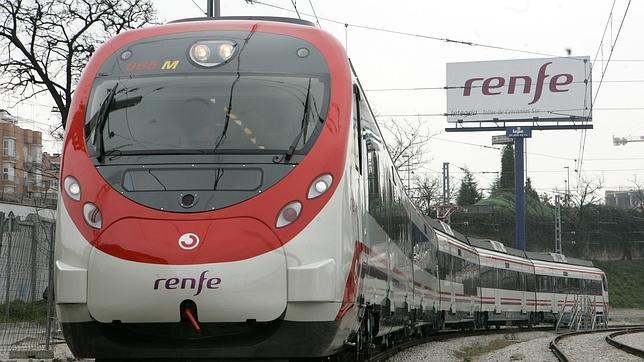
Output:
x=373 y=181
x=445 y=265
x=530 y=287
x=357 y=121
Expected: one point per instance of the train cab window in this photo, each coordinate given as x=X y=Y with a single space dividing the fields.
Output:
x=209 y=113
x=604 y=283
x=264 y=101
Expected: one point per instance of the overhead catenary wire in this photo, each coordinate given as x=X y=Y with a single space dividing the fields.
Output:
x=199 y=7
x=582 y=148
x=444 y=87
x=317 y=21
x=404 y=33
x=448 y=114
x=295 y=7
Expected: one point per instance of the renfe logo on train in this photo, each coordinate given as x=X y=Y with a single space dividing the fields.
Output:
x=514 y=90
x=188 y=283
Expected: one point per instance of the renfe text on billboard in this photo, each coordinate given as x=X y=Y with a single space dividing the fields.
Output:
x=545 y=89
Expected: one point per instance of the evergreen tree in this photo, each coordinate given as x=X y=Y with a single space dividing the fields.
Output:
x=506 y=181
x=468 y=193
x=529 y=191
x=494 y=186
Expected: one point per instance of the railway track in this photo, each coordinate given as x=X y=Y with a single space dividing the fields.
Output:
x=446 y=335
x=619 y=330
x=625 y=347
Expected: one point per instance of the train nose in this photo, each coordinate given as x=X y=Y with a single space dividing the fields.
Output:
x=233 y=270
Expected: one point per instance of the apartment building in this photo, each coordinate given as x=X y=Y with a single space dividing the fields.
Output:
x=50 y=172
x=21 y=159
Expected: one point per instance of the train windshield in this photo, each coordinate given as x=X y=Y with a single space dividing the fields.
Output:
x=227 y=113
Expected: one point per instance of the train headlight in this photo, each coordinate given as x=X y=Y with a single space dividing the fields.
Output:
x=200 y=53
x=319 y=186
x=92 y=215
x=289 y=214
x=226 y=50
x=212 y=53
x=72 y=188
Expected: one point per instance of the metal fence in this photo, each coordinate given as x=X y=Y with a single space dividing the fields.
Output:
x=26 y=283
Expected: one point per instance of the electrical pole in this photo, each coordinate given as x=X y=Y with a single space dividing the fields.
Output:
x=567 y=198
x=446 y=183
x=446 y=191
x=213 y=8
x=557 y=225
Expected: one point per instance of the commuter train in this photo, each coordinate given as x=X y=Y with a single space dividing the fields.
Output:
x=226 y=192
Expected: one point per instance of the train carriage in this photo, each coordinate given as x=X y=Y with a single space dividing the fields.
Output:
x=507 y=283
x=561 y=283
x=458 y=267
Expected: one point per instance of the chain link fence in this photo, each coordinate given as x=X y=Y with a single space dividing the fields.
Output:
x=27 y=318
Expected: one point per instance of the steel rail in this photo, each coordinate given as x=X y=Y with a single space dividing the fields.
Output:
x=562 y=357
x=624 y=347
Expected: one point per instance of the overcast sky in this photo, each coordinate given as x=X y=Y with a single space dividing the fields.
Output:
x=387 y=60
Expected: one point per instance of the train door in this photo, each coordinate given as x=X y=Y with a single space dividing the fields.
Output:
x=498 y=291
x=450 y=278
x=523 y=289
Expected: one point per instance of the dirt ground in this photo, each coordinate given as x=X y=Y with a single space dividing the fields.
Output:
x=626 y=316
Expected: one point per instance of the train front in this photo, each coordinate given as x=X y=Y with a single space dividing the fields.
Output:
x=203 y=199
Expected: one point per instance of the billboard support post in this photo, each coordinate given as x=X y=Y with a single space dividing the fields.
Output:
x=519 y=190
x=518 y=133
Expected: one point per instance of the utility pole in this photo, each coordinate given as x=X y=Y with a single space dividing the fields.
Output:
x=567 y=198
x=558 y=225
x=445 y=183
x=213 y=8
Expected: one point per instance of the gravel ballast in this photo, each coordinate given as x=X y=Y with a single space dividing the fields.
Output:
x=593 y=347
x=635 y=340
x=525 y=346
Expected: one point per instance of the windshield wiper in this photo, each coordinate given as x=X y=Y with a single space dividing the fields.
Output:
x=101 y=119
x=109 y=105
x=291 y=150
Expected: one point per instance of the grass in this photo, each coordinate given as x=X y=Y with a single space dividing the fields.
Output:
x=469 y=353
x=625 y=287
x=20 y=311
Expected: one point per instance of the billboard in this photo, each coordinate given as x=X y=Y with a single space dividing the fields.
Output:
x=544 y=89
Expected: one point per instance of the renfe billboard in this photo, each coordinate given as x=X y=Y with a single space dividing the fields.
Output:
x=546 y=89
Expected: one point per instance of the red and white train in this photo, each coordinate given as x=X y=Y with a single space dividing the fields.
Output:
x=226 y=192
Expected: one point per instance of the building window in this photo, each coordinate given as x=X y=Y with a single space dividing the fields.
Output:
x=8 y=171
x=36 y=153
x=9 y=147
x=9 y=190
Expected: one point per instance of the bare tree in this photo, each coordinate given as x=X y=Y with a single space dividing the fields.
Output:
x=638 y=190
x=426 y=193
x=587 y=194
x=48 y=42
x=407 y=142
